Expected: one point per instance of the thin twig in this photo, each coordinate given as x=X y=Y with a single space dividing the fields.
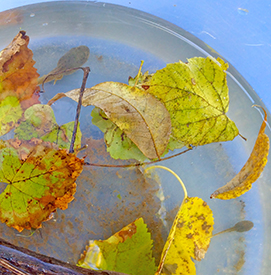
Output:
x=135 y=164
x=79 y=105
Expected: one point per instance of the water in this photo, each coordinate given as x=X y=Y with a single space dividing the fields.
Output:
x=108 y=199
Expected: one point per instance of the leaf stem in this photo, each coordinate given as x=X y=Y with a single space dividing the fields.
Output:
x=173 y=173
x=135 y=164
x=79 y=105
x=139 y=72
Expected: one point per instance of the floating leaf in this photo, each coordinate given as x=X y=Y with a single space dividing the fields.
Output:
x=18 y=81
x=138 y=114
x=39 y=178
x=39 y=122
x=196 y=96
x=118 y=144
x=250 y=172
x=74 y=58
x=189 y=237
x=128 y=251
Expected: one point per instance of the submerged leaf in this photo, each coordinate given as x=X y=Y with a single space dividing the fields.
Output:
x=143 y=118
x=189 y=237
x=196 y=96
x=18 y=81
x=39 y=122
x=39 y=178
x=250 y=172
x=128 y=251
x=118 y=144
x=74 y=58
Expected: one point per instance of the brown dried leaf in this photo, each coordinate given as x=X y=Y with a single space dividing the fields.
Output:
x=142 y=117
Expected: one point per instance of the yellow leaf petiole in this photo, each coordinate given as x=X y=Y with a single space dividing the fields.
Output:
x=139 y=72
x=173 y=173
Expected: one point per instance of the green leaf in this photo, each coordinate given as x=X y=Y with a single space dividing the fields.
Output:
x=142 y=117
x=39 y=178
x=128 y=251
x=118 y=144
x=196 y=96
x=10 y=113
x=40 y=123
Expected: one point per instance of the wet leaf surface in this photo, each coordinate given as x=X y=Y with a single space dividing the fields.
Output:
x=250 y=172
x=189 y=237
x=118 y=144
x=18 y=81
x=128 y=251
x=39 y=178
x=39 y=122
x=138 y=114
x=196 y=95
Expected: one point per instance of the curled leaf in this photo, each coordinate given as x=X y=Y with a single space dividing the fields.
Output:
x=196 y=95
x=18 y=81
x=128 y=251
x=39 y=122
x=250 y=172
x=74 y=58
x=39 y=178
x=142 y=117
x=189 y=237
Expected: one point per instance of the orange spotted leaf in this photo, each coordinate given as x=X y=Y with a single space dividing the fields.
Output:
x=37 y=178
x=18 y=81
x=250 y=172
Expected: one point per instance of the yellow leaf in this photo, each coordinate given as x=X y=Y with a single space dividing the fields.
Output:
x=196 y=95
x=189 y=237
x=250 y=172
x=143 y=118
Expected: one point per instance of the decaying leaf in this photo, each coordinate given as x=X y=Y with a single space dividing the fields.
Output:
x=250 y=172
x=142 y=117
x=74 y=58
x=128 y=251
x=189 y=237
x=118 y=144
x=39 y=122
x=196 y=95
x=18 y=81
x=39 y=178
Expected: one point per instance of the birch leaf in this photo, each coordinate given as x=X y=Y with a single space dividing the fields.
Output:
x=196 y=96
x=128 y=251
x=142 y=117
x=250 y=172
x=189 y=237
x=38 y=179
x=18 y=82
x=39 y=122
